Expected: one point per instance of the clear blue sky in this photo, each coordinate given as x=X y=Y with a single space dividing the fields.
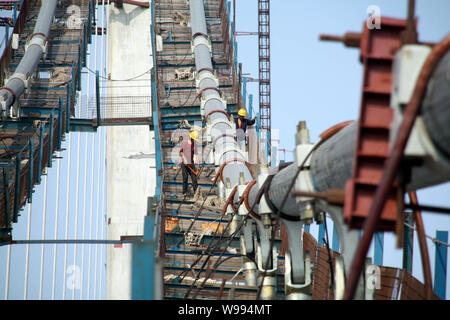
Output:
x=320 y=82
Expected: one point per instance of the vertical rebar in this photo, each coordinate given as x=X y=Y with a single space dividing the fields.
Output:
x=409 y=36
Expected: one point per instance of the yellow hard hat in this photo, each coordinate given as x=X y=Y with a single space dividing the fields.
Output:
x=194 y=135
x=242 y=112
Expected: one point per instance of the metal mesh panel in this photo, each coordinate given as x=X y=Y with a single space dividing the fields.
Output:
x=114 y=107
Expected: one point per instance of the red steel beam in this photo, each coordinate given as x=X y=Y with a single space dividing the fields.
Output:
x=377 y=47
x=392 y=164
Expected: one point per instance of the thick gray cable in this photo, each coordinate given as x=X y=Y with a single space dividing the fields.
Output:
x=31 y=58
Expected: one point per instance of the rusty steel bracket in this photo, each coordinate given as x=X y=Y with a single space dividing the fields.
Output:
x=298 y=291
x=375 y=117
x=298 y=273
x=247 y=250
x=348 y=242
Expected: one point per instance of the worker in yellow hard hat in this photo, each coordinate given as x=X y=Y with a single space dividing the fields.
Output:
x=187 y=161
x=242 y=123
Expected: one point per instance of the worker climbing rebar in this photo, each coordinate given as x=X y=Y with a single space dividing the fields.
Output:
x=241 y=126
x=187 y=151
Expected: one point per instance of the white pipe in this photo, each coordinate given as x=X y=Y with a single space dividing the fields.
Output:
x=220 y=124
x=34 y=50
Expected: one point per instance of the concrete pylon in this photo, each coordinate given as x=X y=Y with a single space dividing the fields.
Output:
x=131 y=180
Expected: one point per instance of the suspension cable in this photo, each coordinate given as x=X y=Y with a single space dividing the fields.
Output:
x=97 y=211
x=68 y=175
x=211 y=251
x=58 y=170
x=7 y=275
x=77 y=196
x=43 y=237
x=27 y=255
x=103 y=137
x=88 y=94
x=230 y=238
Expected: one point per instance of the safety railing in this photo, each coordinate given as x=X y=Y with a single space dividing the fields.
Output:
x=22 y=165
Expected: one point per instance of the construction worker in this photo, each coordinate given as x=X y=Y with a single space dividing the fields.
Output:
x=187 y=161
x=241 y=125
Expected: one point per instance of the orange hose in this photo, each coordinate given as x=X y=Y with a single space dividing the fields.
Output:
x=334 y=129
x=195 y=172
x=245 y=197
x=229 y=201
x=219 y=173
